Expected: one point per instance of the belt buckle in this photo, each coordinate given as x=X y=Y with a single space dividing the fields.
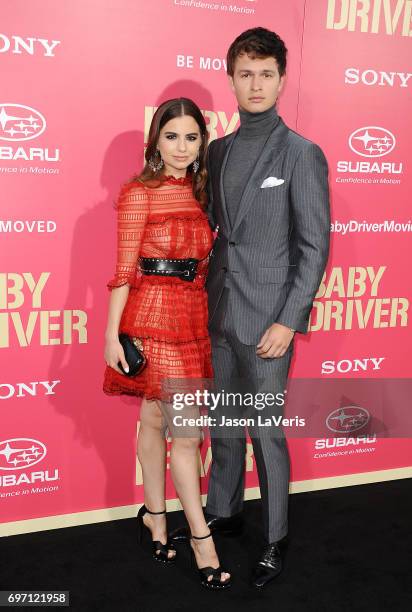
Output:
x=190 y=273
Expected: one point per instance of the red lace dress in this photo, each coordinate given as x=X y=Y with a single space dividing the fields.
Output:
x=167 y=313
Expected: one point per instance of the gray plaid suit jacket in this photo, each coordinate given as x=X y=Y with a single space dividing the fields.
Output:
x=273 y=257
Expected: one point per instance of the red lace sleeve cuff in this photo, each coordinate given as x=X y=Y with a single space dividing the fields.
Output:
x=119 y=280
x=132 y=215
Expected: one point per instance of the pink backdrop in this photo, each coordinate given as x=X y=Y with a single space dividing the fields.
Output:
x=79 y=85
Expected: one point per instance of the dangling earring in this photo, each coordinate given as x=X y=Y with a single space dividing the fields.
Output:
x=152 y=162
x=196 y=164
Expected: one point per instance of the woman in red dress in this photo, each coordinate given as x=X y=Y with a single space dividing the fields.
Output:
x=158 y=296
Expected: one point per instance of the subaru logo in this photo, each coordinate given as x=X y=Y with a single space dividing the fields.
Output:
x=20 y=453
x=347 y=419
x=18 y=122
x=372 y=141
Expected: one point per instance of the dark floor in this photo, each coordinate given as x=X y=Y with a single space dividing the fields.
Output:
x=350 y=549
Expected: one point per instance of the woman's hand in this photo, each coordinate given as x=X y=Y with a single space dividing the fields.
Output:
x=113 y=353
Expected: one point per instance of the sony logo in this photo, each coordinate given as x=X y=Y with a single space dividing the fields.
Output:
x=46 y=387
x=19 y=45
x=377 y=77
x=352 y=365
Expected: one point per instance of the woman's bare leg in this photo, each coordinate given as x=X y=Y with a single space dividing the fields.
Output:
x=184 y=466
x=151 y=451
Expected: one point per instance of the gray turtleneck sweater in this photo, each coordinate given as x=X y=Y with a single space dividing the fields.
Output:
x=253 y=133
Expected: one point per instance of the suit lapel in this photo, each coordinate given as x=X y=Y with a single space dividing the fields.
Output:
x=228 y=143
x=270 y=152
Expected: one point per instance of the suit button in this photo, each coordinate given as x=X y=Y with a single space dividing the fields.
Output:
x=232 y=244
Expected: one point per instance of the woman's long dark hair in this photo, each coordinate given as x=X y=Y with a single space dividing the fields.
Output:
x=177 y=107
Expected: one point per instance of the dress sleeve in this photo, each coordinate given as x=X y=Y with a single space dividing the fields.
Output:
x=132 y=214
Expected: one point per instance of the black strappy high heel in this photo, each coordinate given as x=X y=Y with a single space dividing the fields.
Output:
x=160 y=551
x=205 y=572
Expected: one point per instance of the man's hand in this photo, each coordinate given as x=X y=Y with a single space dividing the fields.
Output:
x=275 y=341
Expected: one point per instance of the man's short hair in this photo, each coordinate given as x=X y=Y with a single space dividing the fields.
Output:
x=260 y=43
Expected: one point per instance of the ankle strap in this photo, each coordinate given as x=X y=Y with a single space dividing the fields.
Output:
x=202 y=537
x=150 y=512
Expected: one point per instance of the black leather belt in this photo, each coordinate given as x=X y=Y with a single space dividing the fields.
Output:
x=186 y=269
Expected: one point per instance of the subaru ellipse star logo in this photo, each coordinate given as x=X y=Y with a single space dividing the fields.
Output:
x=347 y=419
x=372 y=141
x=18 y=122
x=20 y=453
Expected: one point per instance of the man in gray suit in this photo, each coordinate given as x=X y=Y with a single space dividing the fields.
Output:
x=269 y=201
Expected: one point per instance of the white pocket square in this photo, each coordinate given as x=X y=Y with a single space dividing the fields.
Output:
x=272 y=181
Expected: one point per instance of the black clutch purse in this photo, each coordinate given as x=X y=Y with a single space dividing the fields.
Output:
x=133 y=352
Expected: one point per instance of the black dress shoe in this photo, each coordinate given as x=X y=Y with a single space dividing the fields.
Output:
x=225 y=525
x=268 y=567
x=228 y=526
